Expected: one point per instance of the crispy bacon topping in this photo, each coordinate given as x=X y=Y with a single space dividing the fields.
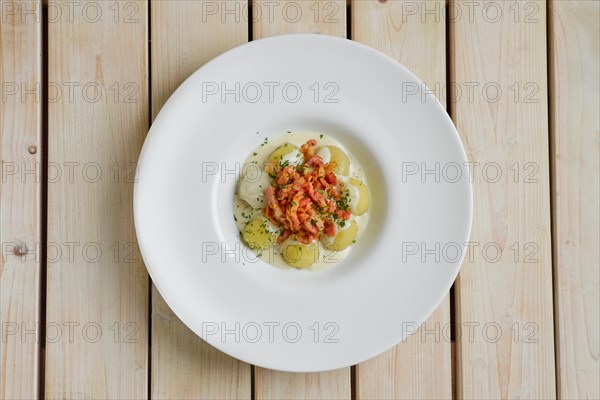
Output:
x=303 y=200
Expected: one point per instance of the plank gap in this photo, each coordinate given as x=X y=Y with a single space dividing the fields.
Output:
x=353 y=391
x=252 y=385
x=250 y=38
x=551 y=121
x=349 y=20
x=44 y=202
x=450 y=97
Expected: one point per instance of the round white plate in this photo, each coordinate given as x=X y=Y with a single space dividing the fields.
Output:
x=399 y=270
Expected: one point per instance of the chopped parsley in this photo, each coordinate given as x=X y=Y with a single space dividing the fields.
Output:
x=343 y=203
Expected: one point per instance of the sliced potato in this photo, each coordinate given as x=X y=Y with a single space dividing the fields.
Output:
x=277 y=154
x=343 y=239
x=363 y=198
x=340 y=159
x=300 y=255
x=257 y=235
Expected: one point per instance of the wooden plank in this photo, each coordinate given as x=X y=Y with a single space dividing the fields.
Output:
x=97 y=286
x=186 y=35
x=278 y=385
x=574 y=123
x=20 y=152
x=287 y=16
x=276 y=18
x=421 y=367
x=505 y=340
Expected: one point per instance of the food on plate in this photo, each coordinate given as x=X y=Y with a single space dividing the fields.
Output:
x=283 y=150
x=300 y=255
x=307 y=205
x=252 y=187
x=340 y=159
x=361 y=205
x=258 y=234
x=343 y=239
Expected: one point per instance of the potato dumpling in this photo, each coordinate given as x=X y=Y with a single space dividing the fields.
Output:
x=277 y=154
x=257 y=235
x=362 y=204
x=343 y=239
x=300 y=255
x=252 y=188
x=324 y=153
x=340 y=159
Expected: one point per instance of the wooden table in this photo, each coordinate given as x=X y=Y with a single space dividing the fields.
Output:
x=81 y=82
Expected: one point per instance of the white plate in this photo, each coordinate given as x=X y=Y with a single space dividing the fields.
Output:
x=296 y=320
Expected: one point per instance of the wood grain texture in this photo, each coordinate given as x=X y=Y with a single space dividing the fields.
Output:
x=421 y=367
x=186 y=35
x=325 y=17
x=575 y=126
x=287 y=16
x=277 y=385
x=97 y=286
x=20 y=129
x=505 y=346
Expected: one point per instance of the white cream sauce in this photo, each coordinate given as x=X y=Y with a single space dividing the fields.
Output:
x=249 y=201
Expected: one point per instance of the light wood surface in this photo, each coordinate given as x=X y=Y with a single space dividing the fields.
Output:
x=513 y=356
x=271 y=18
x=329 y=18
x=20 y=152
x=575 y=126
x=421 y=366
x=186 y=35
x=101 y=298
x=277 y=385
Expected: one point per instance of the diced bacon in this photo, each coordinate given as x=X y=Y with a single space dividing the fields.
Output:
x=308 y=149
x=329 y=228
x=286 y=234
x=310 y=227
x=319 y=224
x=331 y=178
x=334 y=193
x=343 y=214
x=286 y=175
x=304 y=237
x=315 y=162
x=271 y=169
x=315 y=195
x=292 y=213
x=331 y=206
x=272 y=202
x=302 y=200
